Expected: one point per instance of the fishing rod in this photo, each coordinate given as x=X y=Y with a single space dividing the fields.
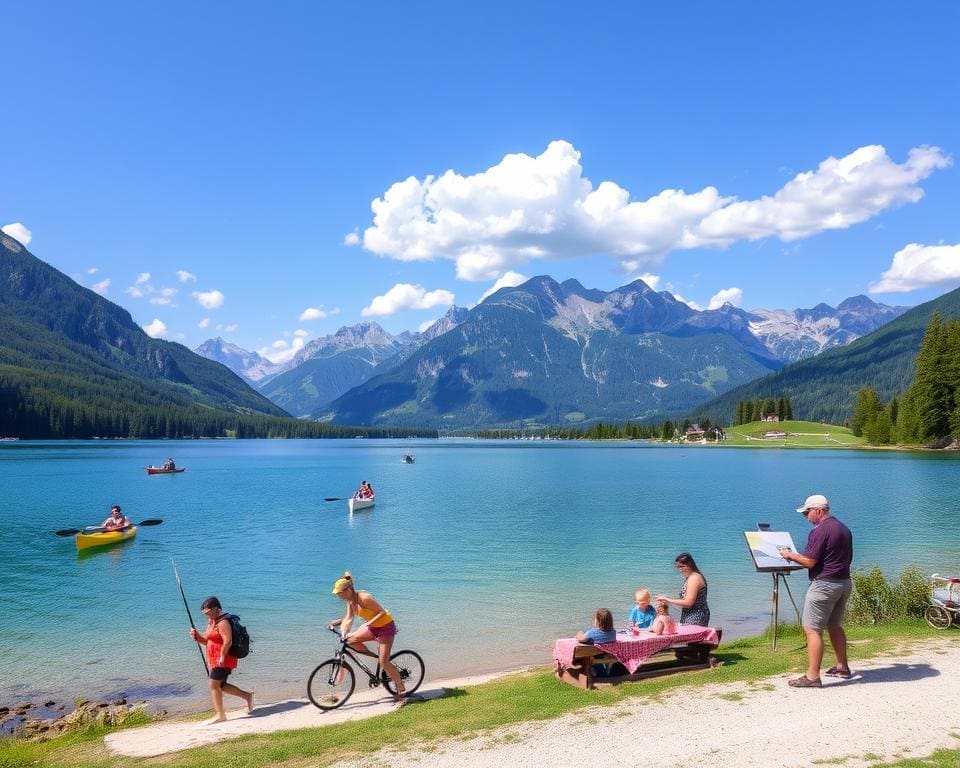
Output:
x=189 y=615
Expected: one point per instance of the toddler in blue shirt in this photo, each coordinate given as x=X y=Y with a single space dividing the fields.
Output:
x=642 y=614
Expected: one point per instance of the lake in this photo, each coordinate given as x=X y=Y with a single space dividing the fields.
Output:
x=485 y=551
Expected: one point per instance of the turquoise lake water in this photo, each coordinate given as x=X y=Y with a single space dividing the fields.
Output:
x=484 y=551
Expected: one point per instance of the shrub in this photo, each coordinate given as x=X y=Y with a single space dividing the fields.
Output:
x=876 y=601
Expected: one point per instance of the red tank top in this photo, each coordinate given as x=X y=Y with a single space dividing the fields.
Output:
x=214 y=646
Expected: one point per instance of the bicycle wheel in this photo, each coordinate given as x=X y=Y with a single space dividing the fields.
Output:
x=331 y=684
x=411 y=669
x=937 y=616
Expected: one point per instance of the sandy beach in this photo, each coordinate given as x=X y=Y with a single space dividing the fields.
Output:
x=897 y=706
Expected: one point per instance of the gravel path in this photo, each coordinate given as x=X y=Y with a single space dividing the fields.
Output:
x=901 y=706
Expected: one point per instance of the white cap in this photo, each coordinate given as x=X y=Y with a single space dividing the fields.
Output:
x=817 y=501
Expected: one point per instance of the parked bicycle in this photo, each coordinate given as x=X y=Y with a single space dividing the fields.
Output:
x=332 y=683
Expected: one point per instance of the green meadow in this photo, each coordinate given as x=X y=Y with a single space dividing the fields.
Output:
x=799 y=434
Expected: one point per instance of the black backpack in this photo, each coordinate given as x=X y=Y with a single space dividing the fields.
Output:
x=240 y=647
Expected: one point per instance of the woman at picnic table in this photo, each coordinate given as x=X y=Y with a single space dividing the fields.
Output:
x=693 y=593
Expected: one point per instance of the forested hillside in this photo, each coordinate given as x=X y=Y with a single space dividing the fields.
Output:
x=824 y=388
x=75 y=365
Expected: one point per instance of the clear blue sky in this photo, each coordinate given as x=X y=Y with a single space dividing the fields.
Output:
x=244 y=143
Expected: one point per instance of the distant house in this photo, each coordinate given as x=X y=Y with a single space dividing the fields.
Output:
x=694 y=432
x=769 y=417
x=775 y=434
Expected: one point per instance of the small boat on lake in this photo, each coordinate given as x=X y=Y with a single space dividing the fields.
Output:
x=354 y=505
x=151 y=470
x=104 y=538
x=409 y=458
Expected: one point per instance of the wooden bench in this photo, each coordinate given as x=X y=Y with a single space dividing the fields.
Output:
x=684 y=657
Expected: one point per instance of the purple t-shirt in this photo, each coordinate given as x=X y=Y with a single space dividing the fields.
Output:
x=831 y=544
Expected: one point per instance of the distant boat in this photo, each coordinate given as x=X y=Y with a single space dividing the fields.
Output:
x=162 y=471
x=409 y=458
x=8 y=439
x=355 y=505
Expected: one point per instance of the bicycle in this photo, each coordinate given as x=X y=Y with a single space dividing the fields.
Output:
x=332 y=683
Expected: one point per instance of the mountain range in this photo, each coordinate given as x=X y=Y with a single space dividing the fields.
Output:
x=552 y=353
x=824 y=387
x=331 y=366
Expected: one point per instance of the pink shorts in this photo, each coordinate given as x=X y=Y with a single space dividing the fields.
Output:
x=387 y=630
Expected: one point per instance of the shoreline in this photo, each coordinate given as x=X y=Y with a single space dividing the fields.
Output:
x=917 y=680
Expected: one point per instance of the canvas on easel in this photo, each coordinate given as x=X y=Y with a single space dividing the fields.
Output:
x=765 y=550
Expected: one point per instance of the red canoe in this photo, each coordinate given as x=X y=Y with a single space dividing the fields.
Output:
x=162 y=471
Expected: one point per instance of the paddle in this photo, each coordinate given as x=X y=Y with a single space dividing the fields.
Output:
x=338 y=498
x=189 y=615
x=100 y=529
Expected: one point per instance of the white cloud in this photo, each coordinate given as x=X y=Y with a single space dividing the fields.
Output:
x=186 y=277
x=726 y=295
x=352 y=238
x=209 y=299
x=841 y=192
x=93 y=270
x=543 y=207
x=204 y=323
x=426 y=324
x=406 y=296
x=652 y=280
x=135 y=292
x=142 y=278
x=101 y=287
x=313 y=313
x=163 y=301
x=507 y=280
x=691 y=304
x=18 y=232
x=282 y=351
x=156 y=330
x=920 y=266
x=230 y=327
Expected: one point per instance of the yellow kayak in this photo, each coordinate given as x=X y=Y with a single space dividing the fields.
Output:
x=104 y=538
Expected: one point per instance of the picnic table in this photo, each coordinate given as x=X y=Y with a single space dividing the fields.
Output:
x=690 y=646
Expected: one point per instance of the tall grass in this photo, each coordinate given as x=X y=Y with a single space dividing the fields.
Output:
x=876 y=600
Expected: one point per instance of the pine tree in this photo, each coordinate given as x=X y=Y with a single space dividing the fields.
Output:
x=865 y=410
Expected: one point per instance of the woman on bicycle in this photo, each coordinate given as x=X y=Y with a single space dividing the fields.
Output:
x=377 y=625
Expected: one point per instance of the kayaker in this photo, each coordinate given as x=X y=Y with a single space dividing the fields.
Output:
x=218 y=638
x=377 y=625
x=117 y=521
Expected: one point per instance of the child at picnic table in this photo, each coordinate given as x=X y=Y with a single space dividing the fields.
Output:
x=642 y=614
x=664 y=624
x=602 y=631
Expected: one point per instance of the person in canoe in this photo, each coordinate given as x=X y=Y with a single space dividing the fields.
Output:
x=218 y=638
x=117 y=520
x=365 y=491
x=169 y=464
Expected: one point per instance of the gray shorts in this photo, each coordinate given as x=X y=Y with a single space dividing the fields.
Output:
x=826 y=603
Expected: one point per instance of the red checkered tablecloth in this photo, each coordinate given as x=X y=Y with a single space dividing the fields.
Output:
x=633 y=650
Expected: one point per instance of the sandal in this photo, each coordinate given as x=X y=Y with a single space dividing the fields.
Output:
x=836 y=671
x=804 y=682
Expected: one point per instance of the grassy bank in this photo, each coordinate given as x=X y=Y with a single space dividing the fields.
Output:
x=466 y=713
x=802 y=434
